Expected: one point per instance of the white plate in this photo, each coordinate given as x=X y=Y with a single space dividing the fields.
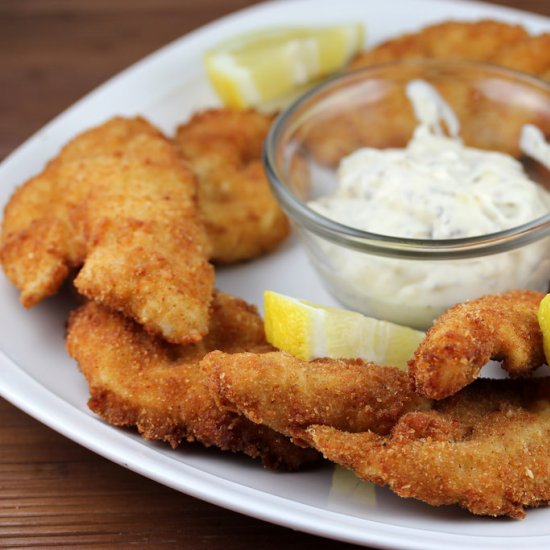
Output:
x=38 y=376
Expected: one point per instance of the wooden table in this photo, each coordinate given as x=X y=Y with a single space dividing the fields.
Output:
x=52 y=491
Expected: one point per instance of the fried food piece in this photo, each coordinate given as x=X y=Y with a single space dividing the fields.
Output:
x=486 y=40
x=391 y=123
x=120 y=202
x=485 y=449
x=491 y=41
x=137 y=379
x=501 y=327
x=529 y=55
x=472 y=40
x=224 y=148
x=289 y=395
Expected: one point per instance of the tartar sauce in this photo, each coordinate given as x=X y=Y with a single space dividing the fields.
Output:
x=435 y=188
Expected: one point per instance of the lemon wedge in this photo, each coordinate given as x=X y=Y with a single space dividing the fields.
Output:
x=256 y=68
x=544 y=322
x=307 y=330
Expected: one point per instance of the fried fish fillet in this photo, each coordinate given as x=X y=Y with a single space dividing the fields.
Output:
x=496 y=42
x=473 y=40
x=391 y=123
x=120 y=202
x=529 y=55
x=137 y=379
x=502 y=327
x=485 y=449
x=224 y=148
x=289 y=395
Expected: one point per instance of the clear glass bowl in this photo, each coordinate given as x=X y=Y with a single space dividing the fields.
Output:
x=408 y=281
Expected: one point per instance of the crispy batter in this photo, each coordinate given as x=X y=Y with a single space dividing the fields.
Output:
x=224 y=147
x=139 y=380
x=473 y=40
x=502 y=327
x=486 y=40
x=529 y=55
x=491 y=41
x=120 y=201
x=486 y=449
x=289 y=395
x=391 y=124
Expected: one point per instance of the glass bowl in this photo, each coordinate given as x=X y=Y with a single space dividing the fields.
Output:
x=400 y=279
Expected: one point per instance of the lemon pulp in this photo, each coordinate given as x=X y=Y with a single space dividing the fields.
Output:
x=308 y=330
x=544 y=322
x=256 y=68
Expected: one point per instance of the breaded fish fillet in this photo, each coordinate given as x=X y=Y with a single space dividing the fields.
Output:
x=289 y=395
x=391 y=124
x=502 y=327
x=120 y=202
x=485 y=449
x=137 y=379
x=529 y=55
x=496 y=42
x=224 y=148
x=472 y=40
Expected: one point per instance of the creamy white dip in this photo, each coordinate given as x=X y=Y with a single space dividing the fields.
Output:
x=435 y=188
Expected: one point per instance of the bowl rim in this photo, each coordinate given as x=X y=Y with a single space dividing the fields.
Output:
x=386 y=245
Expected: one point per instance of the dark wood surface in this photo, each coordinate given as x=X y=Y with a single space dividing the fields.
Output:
x=52 y=491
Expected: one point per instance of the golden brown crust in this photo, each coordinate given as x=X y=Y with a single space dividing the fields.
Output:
x=289 y=395
x=497 y=42
x=529 y=56
x=224 y=148
x=139 y=380
x=391 y=122
x=501 y=327
x=485 y=449
x=472 y=40
x=120 y=201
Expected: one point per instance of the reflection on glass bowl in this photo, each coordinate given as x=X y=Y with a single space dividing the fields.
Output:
x=398 y=278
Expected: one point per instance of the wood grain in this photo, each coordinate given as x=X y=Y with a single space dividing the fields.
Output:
x=52 y=491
